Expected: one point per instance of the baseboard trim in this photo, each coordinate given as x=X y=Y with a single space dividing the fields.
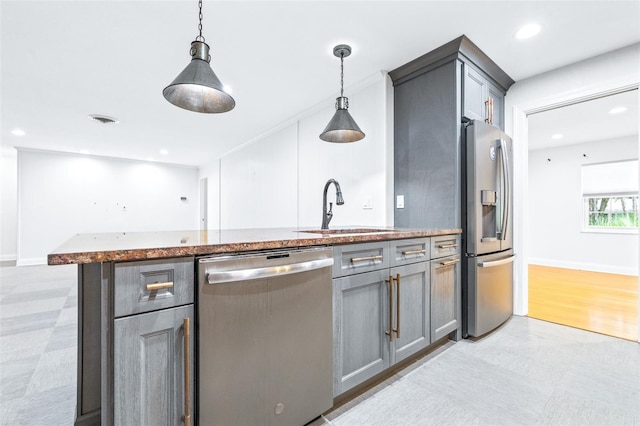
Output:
x=8 y=257
x=609 y=269
x=32 y=261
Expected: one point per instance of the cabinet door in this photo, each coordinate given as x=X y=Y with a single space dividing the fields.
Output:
x=410 y=310
x=475 y=94
x=361 y=347
x=149 y=367
x=477 y=90
x=445 y=297
x=498 y=105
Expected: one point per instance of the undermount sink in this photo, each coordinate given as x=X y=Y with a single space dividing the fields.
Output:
x=348 y=231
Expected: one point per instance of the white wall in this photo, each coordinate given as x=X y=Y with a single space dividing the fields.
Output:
x=603 y=74
x=8 y=204
x=277 y=180
x=63 y=194
x=359 y=167
x=258 y=183
x=555 y=210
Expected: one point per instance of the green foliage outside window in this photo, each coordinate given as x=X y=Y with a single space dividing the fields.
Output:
x=612 y=211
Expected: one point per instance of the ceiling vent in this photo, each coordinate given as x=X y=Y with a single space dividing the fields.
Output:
x=103 y=119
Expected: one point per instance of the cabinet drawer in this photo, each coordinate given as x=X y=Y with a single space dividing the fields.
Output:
x=153 y=284
x=445 y=245
x=357 y=258
x=403 y=252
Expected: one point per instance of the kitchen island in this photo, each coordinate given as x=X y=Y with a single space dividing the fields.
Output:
x=124 y=279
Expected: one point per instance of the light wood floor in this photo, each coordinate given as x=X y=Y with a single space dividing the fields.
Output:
x=594 y=301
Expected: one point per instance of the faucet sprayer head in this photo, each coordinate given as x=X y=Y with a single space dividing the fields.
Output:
x=339 y=199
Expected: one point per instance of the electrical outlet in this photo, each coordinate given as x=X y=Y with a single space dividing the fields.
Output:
x=400 y=202
x=367 y=205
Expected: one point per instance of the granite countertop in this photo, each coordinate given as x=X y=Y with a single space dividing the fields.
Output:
x=123 y=246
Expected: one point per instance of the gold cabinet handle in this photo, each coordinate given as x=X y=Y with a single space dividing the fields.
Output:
x=447 y=246
x=491 y=110
x=397 y=330
x=486 y=110
x=450 y=262
x=390 y=287
x=186 y=325
x=410 y=252
x=491 y=116
x=365 y=259
x=159 y=286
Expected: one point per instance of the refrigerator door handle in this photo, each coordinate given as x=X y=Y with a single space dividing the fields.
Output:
x=497 y=262
x=506 y=191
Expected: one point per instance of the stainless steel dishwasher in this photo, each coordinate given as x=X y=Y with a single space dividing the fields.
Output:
x=265 y=338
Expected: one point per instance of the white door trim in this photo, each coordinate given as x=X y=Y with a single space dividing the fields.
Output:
x=521 y=173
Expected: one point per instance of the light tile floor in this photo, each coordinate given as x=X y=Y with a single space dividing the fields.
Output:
x=38 y=331
x=526 y=372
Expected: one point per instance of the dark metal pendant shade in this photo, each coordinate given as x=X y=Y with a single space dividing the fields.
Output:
x=197 y=88
x=342 y=128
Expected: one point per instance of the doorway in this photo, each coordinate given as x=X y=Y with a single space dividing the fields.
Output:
x=204 y=202
x=583 y=259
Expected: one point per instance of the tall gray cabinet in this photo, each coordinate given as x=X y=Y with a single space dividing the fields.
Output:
x=434 y=95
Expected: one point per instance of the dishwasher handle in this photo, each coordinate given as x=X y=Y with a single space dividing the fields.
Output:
x=218 y=277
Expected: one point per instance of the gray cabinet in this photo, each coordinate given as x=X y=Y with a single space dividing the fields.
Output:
x=152 y=284
x=151 y=368
x=361 y=310
x=153 y=343
x=426 y=149
x=411 y=311
x=482 y=99
x=434 y=95
x=382 y=316
x=445 y=288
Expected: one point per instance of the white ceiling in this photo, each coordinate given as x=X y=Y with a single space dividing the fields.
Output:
x=63 y=60
x=585 y=122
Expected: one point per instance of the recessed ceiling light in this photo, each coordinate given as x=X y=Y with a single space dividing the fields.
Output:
x=84 y=151
x=618 y=110
x=103 y=119
x=164 y=152
x=557 y=136
x=528 y=31
x=18 y=132
x=150 y=159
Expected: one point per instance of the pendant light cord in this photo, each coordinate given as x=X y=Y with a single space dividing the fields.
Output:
x=341 y=74
x=200 y=37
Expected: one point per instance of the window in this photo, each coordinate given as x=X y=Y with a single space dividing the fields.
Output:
x=612 y=211
x=610 y=197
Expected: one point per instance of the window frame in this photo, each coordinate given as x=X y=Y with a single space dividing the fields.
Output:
x=607 y=229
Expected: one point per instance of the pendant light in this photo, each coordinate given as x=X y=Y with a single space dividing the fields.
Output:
x=197 y=88
x=342 y=127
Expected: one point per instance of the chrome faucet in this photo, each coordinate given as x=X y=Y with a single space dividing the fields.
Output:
x=327 y=215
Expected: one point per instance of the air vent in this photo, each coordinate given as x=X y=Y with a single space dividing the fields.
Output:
x=102 y=119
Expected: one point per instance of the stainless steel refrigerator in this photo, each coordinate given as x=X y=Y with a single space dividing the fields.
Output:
x=487 y=290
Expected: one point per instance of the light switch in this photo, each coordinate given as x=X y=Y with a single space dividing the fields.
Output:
x=400 y=201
